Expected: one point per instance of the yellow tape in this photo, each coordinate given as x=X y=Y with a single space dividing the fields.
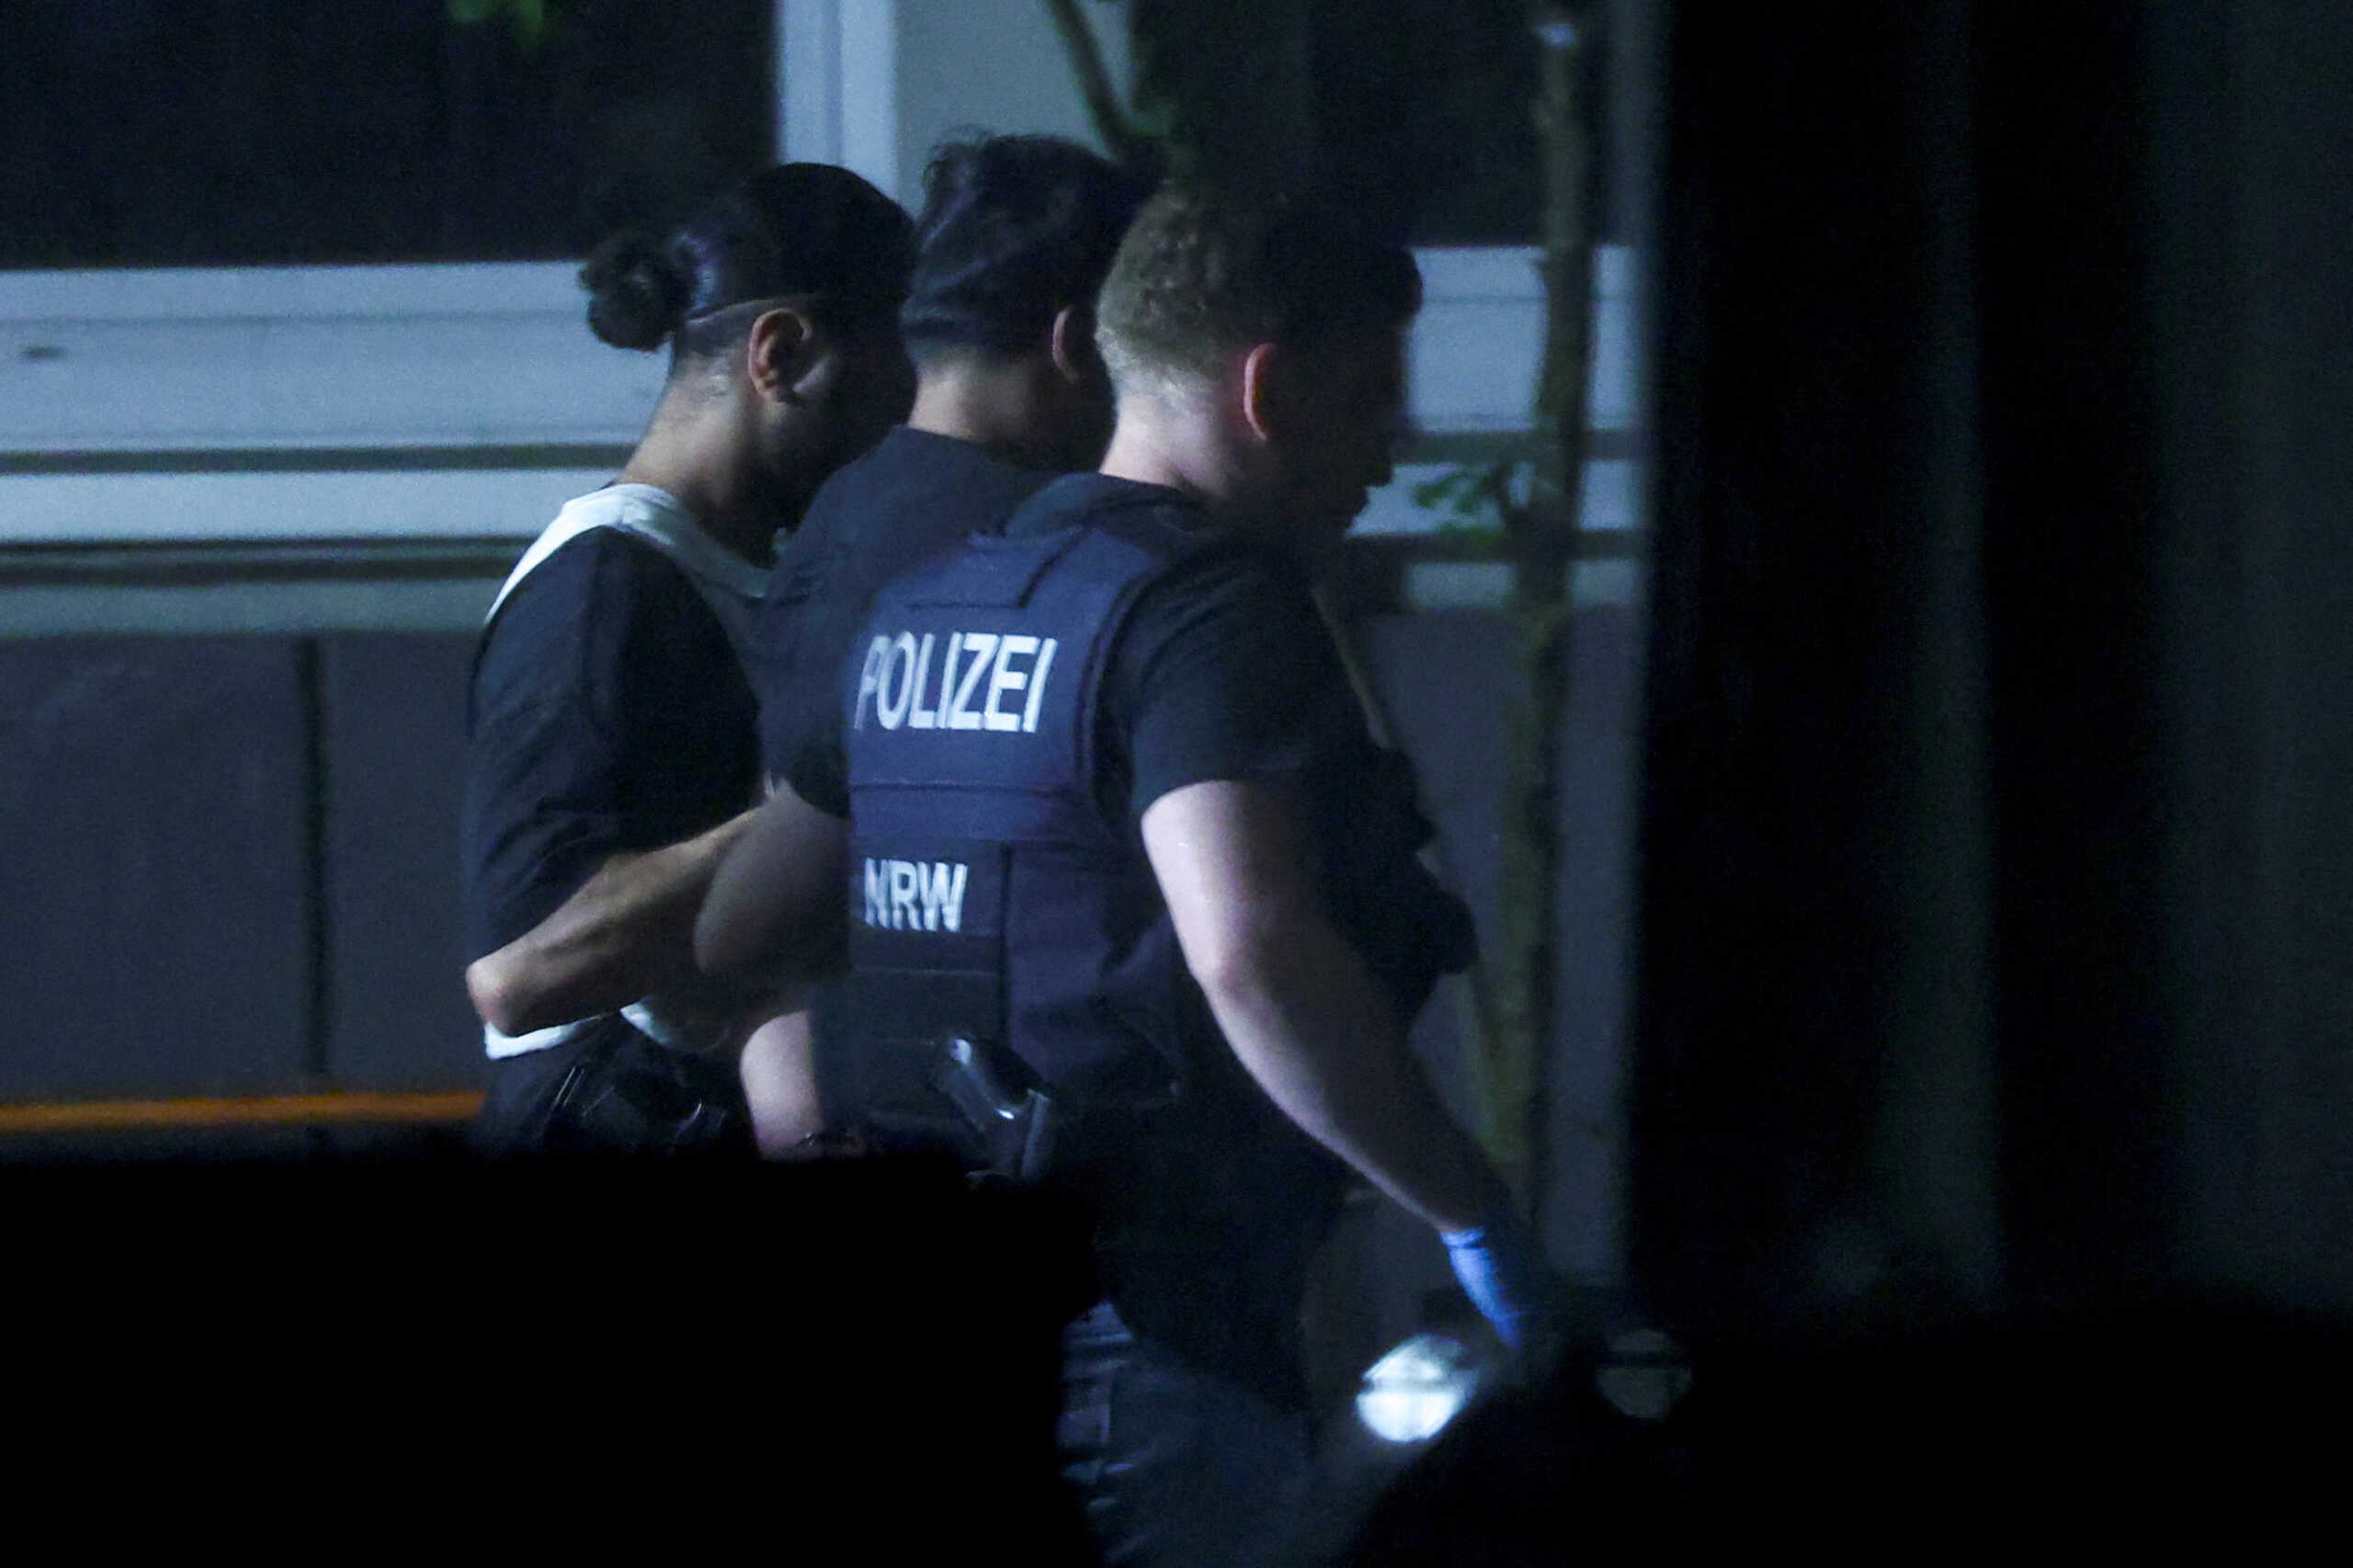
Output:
x=261 y=1110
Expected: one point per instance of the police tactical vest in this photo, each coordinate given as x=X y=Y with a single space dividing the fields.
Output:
x=989 y=900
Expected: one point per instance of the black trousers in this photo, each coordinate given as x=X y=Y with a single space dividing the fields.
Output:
x=609 y=1090
x=1177 y=1466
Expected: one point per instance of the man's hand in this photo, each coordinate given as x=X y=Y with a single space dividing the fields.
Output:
x=626 y=932
x=1502 y=1268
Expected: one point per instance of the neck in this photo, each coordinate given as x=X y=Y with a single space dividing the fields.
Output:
x=702 y=458
x=1156 y=442
x=1001 y=405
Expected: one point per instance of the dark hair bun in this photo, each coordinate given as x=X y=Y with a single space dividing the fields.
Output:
x=636 y=297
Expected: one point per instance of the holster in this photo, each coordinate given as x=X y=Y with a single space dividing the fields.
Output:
x=1013 y=1128
x=971 y=1099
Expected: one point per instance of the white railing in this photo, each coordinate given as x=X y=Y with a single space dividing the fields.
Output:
x=389 y=366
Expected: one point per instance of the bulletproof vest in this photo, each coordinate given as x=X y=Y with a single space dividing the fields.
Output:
x=989 y=898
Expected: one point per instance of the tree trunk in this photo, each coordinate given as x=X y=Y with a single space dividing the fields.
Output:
x=1539 y=541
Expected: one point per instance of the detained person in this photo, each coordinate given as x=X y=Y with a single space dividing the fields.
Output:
x=1014 y=239
x=612 y=748
x=1130 y=884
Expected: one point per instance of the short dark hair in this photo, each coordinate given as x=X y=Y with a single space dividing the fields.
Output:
x=1205 y=270
x=1013 y=230
x=807 y=231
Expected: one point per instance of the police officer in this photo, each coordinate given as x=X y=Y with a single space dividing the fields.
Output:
x=1132 y=891
x=611 y=741
x=1015 y=237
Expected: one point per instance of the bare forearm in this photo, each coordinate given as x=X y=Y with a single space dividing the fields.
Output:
x=775 y=913
x=781 y=1086
x=1310 y=1026
x=627 y=931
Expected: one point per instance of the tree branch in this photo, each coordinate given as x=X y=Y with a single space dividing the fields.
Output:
x=1121 y=138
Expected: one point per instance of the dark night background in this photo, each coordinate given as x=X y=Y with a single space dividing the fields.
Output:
x=1991 y=1055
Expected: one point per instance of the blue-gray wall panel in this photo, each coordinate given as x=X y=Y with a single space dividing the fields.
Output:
x=153 y=818
x=397 y=1011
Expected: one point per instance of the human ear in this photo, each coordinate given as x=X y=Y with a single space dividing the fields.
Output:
x=784 y=354
x=1070 y=341
x=1266 y=376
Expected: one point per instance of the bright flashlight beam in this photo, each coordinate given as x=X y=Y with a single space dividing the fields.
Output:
x=1411 y=1393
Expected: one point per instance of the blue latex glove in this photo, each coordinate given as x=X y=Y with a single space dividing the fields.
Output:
x=1503 y=1270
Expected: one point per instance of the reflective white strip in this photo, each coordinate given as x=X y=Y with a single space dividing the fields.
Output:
x=668 y=1022
x=499 y=1047
x=695 y=1035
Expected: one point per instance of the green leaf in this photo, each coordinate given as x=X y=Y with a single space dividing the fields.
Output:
x=1438 y=492
x=1469 y=542
x=531 y=19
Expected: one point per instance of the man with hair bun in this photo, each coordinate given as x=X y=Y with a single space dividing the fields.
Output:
x=1014 y=239
x=1132 y=892
x=612 y=752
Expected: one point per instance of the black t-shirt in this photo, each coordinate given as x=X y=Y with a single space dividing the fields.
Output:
x=609 y=713
x=916 y=493
x=1224 y=669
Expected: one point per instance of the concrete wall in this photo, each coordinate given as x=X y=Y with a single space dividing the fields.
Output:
x=234 y=870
